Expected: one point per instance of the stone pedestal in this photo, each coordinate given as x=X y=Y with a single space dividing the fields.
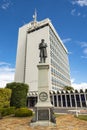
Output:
x=43 y=108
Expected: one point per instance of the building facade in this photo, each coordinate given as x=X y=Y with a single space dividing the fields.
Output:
x=30 y=35
x=62 y=99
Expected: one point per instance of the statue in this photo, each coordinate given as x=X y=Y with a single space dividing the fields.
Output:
x=43 y=51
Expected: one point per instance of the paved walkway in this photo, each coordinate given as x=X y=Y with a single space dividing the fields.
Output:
x=66 y=122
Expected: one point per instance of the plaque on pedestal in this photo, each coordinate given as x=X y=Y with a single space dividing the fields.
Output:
x=43 y=114
x=43 y=96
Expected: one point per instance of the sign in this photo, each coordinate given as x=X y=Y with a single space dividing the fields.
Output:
x=43 y=114
x=43 y=96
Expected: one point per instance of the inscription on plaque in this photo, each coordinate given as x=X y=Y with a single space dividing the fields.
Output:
x=43 y=114
x=43 y=96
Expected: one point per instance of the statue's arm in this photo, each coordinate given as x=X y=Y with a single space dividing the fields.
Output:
x=39 y=46
x=46 y=45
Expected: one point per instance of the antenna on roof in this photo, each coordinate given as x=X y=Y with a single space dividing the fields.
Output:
x=35 y=16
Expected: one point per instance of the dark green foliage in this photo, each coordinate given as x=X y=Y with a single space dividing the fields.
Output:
x=19 y=94
x=7 y=111
x=82 y=117
x=5 y=95
x=69 y=88
x=23 y=112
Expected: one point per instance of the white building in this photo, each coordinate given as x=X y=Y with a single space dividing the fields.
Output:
x=29 y=37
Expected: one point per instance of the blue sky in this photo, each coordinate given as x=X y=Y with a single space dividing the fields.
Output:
x=69 y=18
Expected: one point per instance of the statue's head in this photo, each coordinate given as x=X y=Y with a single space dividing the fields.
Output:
x=42 y=40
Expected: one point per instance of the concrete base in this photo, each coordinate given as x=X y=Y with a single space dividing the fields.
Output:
x=44 y=114
x=42 y=123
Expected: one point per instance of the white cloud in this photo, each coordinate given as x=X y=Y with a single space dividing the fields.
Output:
x=79 y=14
x=4 y=63
x=84 y=57
x=66 y=40
x=72 y=80
x=5 y=4
x=83 y=44
x=79 y=86
x=70 y=52
x=80 y=2
x=84 y=47
x=6 y=69
x=73 y=11
x=84 y=15
x=6 y=74
x=85 y=51
x=6 y=78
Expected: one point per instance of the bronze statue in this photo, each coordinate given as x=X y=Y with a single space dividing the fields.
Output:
x=43 y=51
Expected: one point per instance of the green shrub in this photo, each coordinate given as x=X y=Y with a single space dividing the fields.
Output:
x=0 y=113
x=19 y=94
x=5 y=95
x=7 y=111
x=23 y=112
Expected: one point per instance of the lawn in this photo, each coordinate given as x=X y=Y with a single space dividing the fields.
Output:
x=58 y=115
x=63 y=122
x=82 y=117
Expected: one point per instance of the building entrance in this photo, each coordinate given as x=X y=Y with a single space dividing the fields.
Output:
x=32 y=101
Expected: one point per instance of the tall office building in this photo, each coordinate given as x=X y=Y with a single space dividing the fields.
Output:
x=29 y=37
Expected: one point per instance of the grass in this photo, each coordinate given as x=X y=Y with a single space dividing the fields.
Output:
x=82 y=117
x=58 y=115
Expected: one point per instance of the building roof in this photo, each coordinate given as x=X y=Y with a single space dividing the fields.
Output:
x=35 y=25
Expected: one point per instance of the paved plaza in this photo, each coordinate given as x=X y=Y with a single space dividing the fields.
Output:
x=65 y=122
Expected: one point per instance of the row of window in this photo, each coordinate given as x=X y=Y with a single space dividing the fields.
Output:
x=55 y=55
x=56 y=40
x=63 y=100
x=60 y=69
x=69 y=100
x=59 y=75
x=56 y=88
x=55 y=48
x=57 y=82
x=56 y=52
x=58 y=61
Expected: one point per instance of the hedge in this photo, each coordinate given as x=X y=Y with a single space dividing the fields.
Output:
x=7 y=111
x=23 y=112
x=5 y=95
x=19 y=94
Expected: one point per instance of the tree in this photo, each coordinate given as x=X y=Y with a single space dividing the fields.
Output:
x=5 y=95
x=19 y=94
x=68 y=88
